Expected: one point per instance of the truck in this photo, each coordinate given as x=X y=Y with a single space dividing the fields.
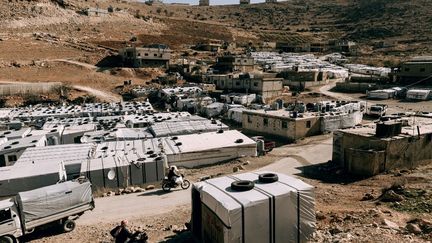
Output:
x=377 y=110
x=50 y=206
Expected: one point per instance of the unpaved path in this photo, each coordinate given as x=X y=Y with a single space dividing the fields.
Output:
x=103 y=95
x=77 y=63
x=110 y=97
x=157 y=202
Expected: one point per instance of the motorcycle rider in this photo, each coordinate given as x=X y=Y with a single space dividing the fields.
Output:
x=173 y=174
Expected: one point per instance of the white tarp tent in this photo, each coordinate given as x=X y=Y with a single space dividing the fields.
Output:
x=418 y=94
x=207 y=148
x=279 y=212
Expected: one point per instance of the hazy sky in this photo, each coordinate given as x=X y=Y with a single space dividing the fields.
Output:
x=212 y=2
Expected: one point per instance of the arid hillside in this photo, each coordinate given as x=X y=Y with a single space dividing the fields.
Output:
x=39 y=31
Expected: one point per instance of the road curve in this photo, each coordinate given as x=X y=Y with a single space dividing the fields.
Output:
x=156 y=202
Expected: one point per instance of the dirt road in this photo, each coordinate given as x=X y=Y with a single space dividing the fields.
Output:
x=152 y=203
x=110 y=97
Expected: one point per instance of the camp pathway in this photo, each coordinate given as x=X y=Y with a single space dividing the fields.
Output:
x=156 y=202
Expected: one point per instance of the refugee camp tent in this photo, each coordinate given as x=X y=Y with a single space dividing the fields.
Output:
x=277 y=209
x=207 y=148
x=72 y=155
x=418 y=94
x=124 y=163
x=18 y=178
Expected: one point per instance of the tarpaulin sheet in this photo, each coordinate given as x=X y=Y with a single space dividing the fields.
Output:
x=50 y=200
x=282 y=211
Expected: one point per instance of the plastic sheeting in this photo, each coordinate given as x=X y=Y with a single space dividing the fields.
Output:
x=331 y=123
x=165 y=129
x=47 y=201
x=282 y=211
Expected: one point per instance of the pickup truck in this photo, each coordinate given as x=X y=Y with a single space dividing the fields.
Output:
x=377 y=110
x=59 y=204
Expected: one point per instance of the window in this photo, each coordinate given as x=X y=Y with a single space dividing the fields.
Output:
x=249 y=119
x=284 y=124
x=238 y=83
x=407 y=69
x=12 y=158
x=139 y=54
x=308 y=124
x=245 y=61
x=146 y=54
x=155 y=54
x=266 y=122
x=256 y=84
x=5 y=215
x=422 y=69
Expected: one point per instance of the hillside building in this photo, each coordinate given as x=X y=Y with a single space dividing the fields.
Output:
x=242 y=2
x=303 y=79
x=227 y=64
x=154 y=56
x=204 y=2
x=416 y=69
x=265 y=86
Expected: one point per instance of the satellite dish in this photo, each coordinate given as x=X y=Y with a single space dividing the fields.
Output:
x=111 y=175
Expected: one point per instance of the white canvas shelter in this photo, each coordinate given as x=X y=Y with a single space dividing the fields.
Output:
x=72 y=156
x=418 y=94
x=125 y=163
x=164 y=129
x=18 y=178
x=381 y=94
x=279 y=212
x=236 y=114
x=207 y=148
x=10 y=151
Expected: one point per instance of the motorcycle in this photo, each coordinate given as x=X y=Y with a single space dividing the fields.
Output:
x=180 y=181
x=139 y=237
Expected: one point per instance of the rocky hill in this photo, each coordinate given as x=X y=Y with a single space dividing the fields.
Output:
x=381 y=26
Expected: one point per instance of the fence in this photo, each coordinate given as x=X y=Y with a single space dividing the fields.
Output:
x=27 y=88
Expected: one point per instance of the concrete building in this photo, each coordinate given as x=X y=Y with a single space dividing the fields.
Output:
x=230 y=63
x=416 y=69
x=280 y=123
x=303 y=79
x=96 y=12
x=204 y=2
x=266 y=87
x=375 y=148
x=157 y=56
x=292 y=125
x=208 y=46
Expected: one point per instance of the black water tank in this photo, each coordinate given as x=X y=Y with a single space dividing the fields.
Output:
x=388 y=129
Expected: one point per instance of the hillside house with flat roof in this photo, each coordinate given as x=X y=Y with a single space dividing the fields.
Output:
x=416 y=69
x=157 y=56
